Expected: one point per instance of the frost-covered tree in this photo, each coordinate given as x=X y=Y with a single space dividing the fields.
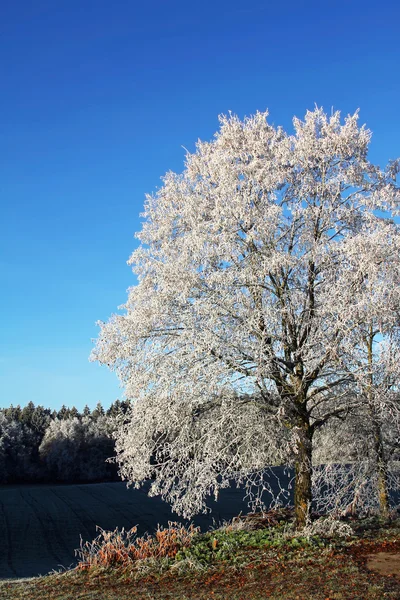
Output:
x=16 y=443
x=27 y=413
x=60 y=448
x=13 y=413
x=98 y=411
x=376 y=436
x=118 y=408
x=73 y=413
x=377 y=373
x=77 y=449
x=256 y=266
x=63 y=413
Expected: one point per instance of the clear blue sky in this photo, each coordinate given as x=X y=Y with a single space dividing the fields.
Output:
x=97 y=100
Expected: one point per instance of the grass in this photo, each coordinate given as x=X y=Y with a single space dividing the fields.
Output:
x=249 y=559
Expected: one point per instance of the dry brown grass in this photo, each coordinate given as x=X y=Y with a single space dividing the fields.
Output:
x=123 y=548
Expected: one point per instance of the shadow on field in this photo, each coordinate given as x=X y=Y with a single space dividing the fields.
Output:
x=40 y=525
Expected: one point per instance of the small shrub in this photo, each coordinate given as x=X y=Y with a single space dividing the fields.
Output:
x=328 y=528
x=187 y=564
x=260 y=520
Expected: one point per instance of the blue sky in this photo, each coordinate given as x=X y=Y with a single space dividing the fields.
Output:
x=98 y=99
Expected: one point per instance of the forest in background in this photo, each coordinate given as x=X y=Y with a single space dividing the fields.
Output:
x=38 y=445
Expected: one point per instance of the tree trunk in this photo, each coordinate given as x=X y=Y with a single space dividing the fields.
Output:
x=303 y=474
x=381 y=466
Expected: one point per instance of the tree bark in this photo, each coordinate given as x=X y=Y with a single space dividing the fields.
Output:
x=303 y=475
x=381 y=467
x=381 y=463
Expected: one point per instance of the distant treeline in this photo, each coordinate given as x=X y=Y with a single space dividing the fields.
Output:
x=40 y=445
